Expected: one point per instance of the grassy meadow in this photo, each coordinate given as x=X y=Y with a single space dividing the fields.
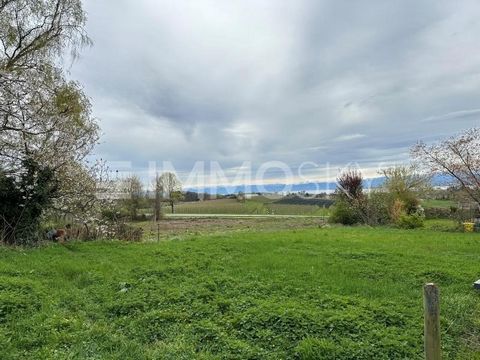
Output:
x=333 y=293
x=256 y=205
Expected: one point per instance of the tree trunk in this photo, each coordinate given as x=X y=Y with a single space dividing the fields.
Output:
x=157 y=207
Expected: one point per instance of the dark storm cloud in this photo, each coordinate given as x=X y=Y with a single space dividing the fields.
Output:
x=323 y=81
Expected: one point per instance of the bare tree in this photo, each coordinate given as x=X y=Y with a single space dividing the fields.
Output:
x=458 y=157
x=168 y=188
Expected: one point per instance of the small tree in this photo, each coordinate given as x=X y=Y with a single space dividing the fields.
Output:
x=350 y=185
x=350 y=201
x=457 y=157
x=353 y=206
x=133 y=190
x=175 y=197
x=168 y=188
x=405 y=184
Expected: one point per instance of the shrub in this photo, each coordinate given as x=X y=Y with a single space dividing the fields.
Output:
x=111 y=214
x=350 y=184
x=412 y=221
x=128 y=232
x=344 y=213
x=438 y=213
x=397 y=210
x=23 y=199
x=376 y=208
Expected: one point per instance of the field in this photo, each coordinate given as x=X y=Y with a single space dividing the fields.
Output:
x=316 y=293
x=179 y=228
x=257 y=205
x=444 y=204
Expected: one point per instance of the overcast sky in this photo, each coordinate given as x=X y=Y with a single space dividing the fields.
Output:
x=268 y=80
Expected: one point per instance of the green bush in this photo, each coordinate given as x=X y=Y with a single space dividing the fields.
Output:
x=24 y=196
x=412 y=221
x=344 y=213
x=376 y=208
x=109 y=214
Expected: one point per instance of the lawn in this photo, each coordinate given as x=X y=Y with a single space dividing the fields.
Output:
x=336 y=293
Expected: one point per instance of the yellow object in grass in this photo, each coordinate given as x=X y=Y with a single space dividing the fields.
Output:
x=468 y=226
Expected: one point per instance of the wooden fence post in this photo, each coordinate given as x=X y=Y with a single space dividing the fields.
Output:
x=431 y=302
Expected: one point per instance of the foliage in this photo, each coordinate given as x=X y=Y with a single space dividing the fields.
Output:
x=350 y=185
x=376 y=208
x=440 y=212
x=397 y=210
x=343 y=293
x=343 y=213
x=351 y=203
x=44 y=117
x=85 y=191
x=127 y=232
x=411 y=221
x=24 y=196
x=405 y=184
x=132 y=189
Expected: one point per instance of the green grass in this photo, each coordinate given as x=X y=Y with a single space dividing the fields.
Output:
x=220 y=206
x=442 y=225
x=255 y=205
x=338 y=293
x=445 y=204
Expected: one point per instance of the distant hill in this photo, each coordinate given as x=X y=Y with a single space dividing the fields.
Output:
x=309 y=187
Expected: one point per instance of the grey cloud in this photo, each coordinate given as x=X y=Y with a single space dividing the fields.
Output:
x=267 y=80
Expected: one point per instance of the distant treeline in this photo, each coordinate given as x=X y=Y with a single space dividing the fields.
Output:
x=299 y=200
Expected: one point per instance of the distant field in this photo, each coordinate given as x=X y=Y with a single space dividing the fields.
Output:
x=338 y=293
x=256 y=205
x=438 y=204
